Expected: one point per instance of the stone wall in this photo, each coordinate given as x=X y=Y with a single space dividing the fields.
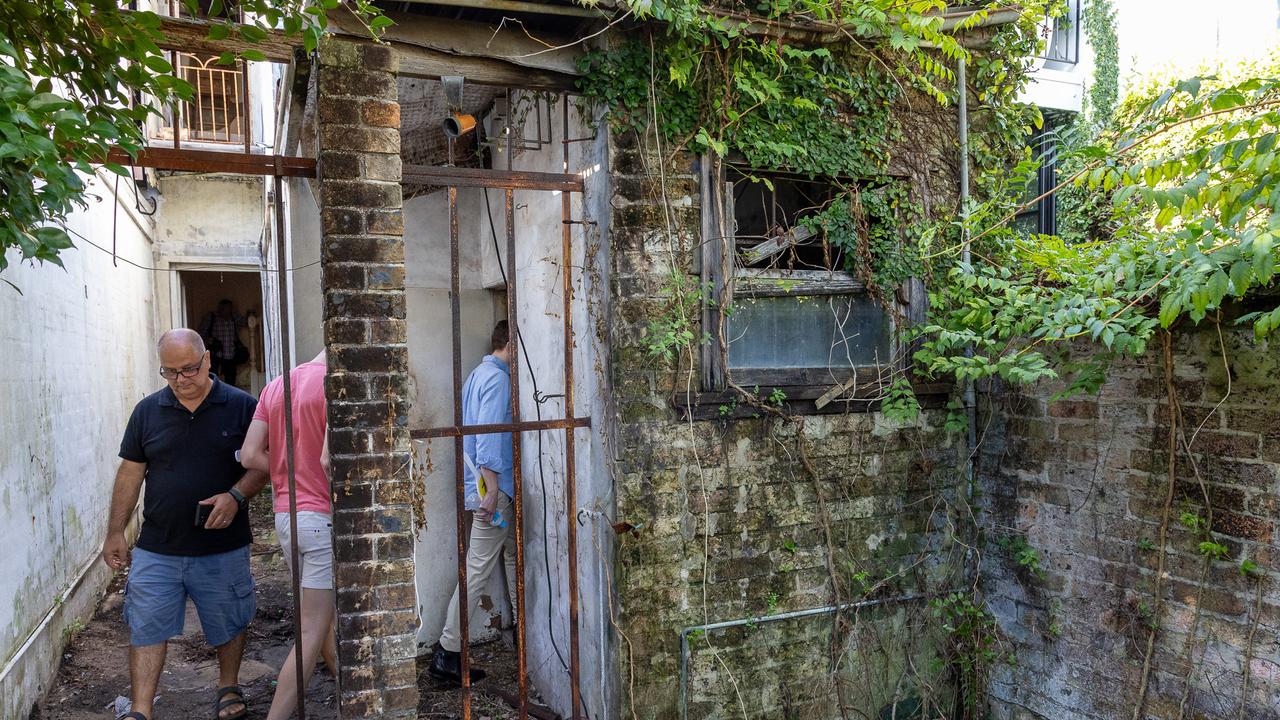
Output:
x=727 y=523
x=362 y=263
x=1082 y=485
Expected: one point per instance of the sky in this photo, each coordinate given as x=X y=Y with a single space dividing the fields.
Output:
x=1156 y=35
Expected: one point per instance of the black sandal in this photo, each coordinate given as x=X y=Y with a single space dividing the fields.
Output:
x=219 y=704
x=135 y=715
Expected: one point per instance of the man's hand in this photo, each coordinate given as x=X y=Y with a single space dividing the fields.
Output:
x=115 y=551
x=224 y=511
x=488 y=504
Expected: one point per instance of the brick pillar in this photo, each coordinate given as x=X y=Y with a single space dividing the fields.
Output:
x=362 y=261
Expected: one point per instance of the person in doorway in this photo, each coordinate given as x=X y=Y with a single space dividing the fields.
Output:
x=221 y=333
x=486 y=399
x=265 y=449
x=182 y=443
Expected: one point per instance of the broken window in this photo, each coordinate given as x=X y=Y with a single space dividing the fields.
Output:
x=794 y=317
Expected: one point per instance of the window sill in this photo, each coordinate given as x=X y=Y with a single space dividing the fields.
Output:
x=800 y=400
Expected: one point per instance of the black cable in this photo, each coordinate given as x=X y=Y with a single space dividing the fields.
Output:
x=542 y=478
x=137 y=200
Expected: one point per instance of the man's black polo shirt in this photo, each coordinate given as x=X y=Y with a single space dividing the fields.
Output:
x=190 y=456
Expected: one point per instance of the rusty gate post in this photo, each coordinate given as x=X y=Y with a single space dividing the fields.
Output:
x=362 y=261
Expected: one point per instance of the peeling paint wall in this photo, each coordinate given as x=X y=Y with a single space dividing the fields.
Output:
x=211 y=219
x=307 y=320
x=77 y=351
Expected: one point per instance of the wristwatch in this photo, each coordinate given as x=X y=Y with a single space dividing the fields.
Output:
x=241 y=500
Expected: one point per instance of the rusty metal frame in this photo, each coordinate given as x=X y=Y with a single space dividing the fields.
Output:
x=525 y=426
x=498 y=179
x=216 y=161
x=509 y=181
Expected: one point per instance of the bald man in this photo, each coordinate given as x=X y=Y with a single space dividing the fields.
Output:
x=182 y=442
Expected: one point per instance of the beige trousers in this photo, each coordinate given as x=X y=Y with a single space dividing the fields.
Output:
x=487 y=543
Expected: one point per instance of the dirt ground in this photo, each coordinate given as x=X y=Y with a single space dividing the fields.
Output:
x=440 y=701
x=94 y=670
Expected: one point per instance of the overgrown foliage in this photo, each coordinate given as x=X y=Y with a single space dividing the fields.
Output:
x=817 y=88
x=78 y=77
x=1192 y=193
x=1099 y=21
x=811 y=87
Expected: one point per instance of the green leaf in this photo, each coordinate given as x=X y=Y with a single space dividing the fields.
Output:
x=157 y=64
x=1170 y=308
x=219 y=31
x=252 y=33
x=53 y=237
x=47 y=102
x=1241 y=277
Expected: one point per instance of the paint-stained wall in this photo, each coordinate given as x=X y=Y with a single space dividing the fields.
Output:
x=77 y=352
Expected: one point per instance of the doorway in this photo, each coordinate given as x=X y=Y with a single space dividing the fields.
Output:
x=203 y=291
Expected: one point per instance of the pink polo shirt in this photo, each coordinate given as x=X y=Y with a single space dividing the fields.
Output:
x=307 y=389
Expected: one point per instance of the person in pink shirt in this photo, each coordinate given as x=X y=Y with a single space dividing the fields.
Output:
x=265 y=449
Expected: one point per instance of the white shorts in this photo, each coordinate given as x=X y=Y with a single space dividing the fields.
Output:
x=315 y=547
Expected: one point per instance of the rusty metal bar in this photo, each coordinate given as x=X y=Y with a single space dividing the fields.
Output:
x=517 y=427
x=517 y=443
x=480 y=177
x=455 y=310
x=282 y=275
x=215 y=161
x=570 y=490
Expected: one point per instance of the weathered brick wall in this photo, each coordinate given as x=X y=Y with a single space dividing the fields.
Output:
x=1084 y=482
x=729 y=523
x=362 y=264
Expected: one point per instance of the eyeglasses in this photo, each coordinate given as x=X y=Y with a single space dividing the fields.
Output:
x=188 y=372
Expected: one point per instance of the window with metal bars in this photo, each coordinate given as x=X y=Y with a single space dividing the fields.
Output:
x=217 y=111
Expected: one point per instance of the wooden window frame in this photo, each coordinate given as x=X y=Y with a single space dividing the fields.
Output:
x=723 y=281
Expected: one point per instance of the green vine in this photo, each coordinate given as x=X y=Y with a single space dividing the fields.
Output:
x=817 y=88
x=1099 y=23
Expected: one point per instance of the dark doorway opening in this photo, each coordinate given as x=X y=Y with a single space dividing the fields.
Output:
x=203 y=291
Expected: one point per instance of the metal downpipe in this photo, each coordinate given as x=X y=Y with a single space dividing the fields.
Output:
x=970 y=401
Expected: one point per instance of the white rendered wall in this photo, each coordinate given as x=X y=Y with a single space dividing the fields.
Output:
x=427 y=282
x=307 y=320
x=78 y=351
x=539 y=268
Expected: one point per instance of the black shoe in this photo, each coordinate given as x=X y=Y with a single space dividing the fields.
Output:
x=446 y=665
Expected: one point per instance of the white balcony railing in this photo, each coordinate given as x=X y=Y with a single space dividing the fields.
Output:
x=217 y=111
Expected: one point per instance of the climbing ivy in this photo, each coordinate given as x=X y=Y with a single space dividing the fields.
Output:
x=815 y=87
x=1104 y=88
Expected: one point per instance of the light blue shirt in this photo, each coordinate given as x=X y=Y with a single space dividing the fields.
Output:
x=486 y=400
